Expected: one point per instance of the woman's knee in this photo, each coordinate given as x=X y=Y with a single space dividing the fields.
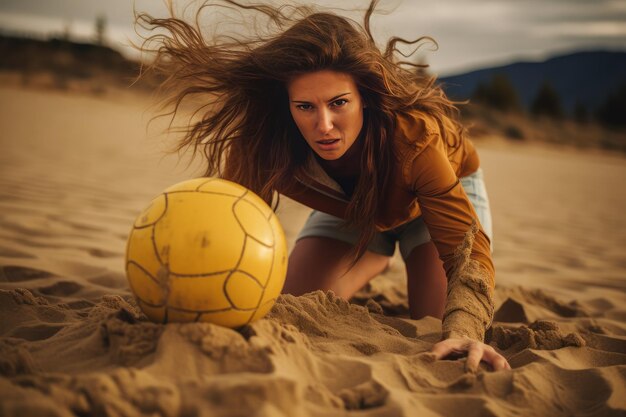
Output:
x=312 y=264
x=319 y=263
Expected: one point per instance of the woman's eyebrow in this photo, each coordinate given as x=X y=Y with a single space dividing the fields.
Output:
x=336 y=97
x=328 y=101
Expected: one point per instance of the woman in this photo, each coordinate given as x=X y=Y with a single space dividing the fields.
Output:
x=315 y=111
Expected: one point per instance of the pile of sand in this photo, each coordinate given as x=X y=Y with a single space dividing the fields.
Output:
x=74 y=173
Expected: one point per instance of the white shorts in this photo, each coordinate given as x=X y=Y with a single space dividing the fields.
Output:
x=409 y=235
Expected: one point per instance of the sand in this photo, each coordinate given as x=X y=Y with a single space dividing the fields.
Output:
x=75 y=170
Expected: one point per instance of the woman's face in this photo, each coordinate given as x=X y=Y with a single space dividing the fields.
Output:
x=327 y=108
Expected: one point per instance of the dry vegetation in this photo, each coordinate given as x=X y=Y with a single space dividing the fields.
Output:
x=486 y=122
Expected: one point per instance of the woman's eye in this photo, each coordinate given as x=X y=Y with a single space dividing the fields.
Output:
x=340 y=102
x=304 y=107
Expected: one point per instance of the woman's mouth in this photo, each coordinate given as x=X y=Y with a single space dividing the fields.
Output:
x=327 y=144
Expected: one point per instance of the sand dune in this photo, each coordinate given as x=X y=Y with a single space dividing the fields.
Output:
x=75 y=171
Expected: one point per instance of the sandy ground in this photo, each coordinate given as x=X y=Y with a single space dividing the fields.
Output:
x=75 y=171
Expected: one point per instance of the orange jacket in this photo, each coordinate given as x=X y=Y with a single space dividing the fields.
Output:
x=425 y=182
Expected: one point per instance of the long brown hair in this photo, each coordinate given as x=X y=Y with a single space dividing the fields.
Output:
x=245 y=129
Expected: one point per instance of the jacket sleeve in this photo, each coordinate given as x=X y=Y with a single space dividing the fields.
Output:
x=461 y=242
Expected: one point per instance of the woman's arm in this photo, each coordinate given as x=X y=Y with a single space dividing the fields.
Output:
x=463 y=246
x=465 y=251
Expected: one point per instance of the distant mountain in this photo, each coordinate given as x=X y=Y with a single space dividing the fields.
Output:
x=585 y=77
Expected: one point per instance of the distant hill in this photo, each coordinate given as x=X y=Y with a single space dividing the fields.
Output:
x=585 y=77
x=68 y=60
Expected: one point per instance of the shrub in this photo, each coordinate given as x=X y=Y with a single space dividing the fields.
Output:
x=547 y=102
x=499 y=93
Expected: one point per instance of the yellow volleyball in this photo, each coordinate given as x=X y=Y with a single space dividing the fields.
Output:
x=209 y=250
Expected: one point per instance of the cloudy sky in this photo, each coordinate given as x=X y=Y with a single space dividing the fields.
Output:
x=471 y=33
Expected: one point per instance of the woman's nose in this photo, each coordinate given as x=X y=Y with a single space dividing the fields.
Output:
x=324 y=121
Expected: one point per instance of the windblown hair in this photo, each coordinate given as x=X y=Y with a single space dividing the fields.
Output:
x=246 y=131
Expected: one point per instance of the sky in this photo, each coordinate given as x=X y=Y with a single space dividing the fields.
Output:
x=471 y=34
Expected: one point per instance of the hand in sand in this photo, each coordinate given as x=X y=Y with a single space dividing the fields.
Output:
x=475 y=351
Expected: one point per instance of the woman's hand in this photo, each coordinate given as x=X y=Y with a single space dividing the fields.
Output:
x=475 y=351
